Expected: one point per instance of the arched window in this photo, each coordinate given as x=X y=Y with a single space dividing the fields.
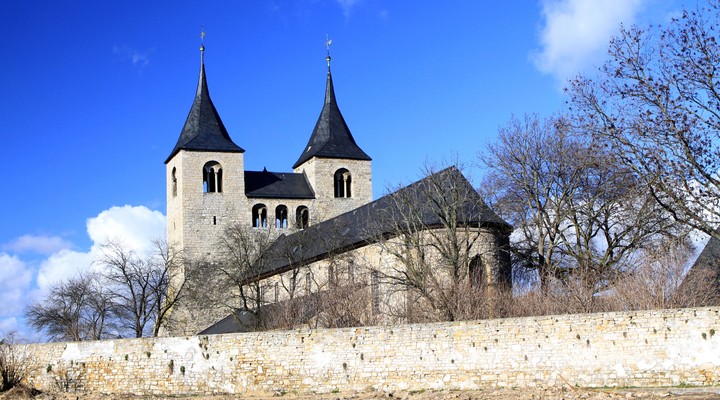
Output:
x=259 y=216
x=212 y=177
x=477 y=273
x=174 y=181
x=281 y=217
x=302 y=217
x=343 y=183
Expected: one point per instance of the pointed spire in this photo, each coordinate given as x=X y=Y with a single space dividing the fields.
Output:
x=331 y=137
x=203 y=129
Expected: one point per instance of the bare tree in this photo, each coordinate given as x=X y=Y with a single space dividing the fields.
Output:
x=433 y=229
x=524 y=186
x=168 y=284
x=581 y=213
x=236 y=284
x=660 y=281
x=656 y=104
x=74 y=310
x=140 y=285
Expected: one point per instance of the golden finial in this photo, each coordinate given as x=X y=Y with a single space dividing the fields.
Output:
x=328 y=42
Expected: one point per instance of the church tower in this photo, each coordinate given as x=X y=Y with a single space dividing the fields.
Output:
x=205 y=192
x=336 y=167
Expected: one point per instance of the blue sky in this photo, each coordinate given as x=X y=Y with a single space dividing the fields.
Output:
x=95 y=94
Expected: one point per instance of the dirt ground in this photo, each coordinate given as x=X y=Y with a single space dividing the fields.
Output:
x=705 y=393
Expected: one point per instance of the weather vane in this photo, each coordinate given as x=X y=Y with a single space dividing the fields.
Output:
x=328 y=42
x=202 y=43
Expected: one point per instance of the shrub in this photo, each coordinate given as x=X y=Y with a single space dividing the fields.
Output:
x=14 y=364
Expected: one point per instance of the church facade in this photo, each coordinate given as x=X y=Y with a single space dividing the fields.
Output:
x=325 y=201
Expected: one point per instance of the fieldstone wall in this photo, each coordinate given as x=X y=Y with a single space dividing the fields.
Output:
x=648 y=348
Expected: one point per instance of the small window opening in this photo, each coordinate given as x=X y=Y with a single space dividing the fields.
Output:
x=375 y=292
x=476 y=272
x=308 y=283
x=281 y=217
x=343 y=183
x=331 y=276
x=212 y=177
x=174 y=181
x=293 y=284
x=214 y=220
x=351 y=271
x=259 y=216
x=302 y=217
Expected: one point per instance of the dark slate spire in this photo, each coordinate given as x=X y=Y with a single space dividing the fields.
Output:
x=204 y=130
x=331 y=137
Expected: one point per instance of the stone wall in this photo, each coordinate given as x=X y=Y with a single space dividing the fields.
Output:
x=648 y=348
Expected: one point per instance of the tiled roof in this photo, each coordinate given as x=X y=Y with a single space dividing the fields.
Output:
x=384 y=217
x=331 y=137
x=706 y=266
x=203 y=129
x=282 y=185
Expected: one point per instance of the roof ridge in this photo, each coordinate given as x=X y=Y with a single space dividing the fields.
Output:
x=322 y=238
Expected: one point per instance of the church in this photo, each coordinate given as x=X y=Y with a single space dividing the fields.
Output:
x=324 y=206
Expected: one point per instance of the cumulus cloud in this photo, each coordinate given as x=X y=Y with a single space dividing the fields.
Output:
x=16 y=278
x=135 y=227
x=575 y=33
x=39 y=244
x=137 y=58
x=62 y=265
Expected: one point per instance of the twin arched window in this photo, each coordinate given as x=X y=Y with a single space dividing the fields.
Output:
x=259 y=216
x=212 y=177
x=281 y=217
x=343 y=183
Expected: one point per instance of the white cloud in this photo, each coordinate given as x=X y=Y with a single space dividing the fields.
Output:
x=134 y=227
x=137 y=58
x=16 y=278
x=347 y=5
x=576 y=33
x=8 y=325
x=37 y=244
x=61 y=265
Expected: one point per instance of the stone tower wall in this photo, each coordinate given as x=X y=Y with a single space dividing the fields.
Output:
x=195 y=222
x=195 y=219
x=321 y=172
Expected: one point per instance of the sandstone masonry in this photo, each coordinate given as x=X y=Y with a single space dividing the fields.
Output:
x=646 y=348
